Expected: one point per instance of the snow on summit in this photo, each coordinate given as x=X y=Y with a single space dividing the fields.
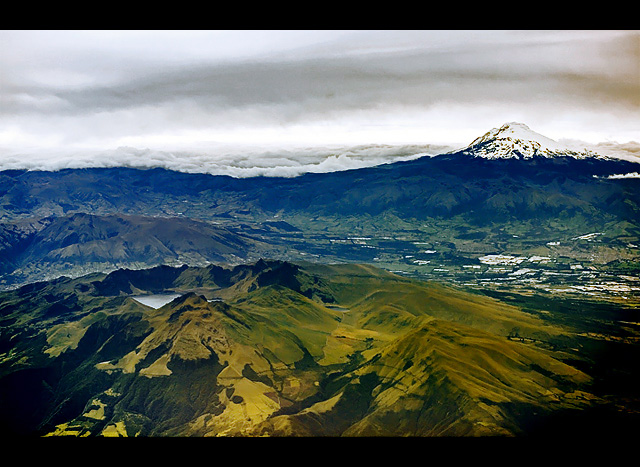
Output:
x=517 y=140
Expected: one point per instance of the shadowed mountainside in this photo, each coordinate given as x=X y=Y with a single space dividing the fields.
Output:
x=80 y=243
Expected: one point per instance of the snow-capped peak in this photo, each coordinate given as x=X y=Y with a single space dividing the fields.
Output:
x=517 y=140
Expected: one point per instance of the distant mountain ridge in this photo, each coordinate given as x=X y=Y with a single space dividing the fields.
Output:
x=509 y=176
x=428 y=186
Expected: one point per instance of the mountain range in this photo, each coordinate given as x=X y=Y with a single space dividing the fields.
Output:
x=278 y=349
x=503 y=181
x=489 y=291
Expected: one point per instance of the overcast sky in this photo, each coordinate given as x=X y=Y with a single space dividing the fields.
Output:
x=212 y=100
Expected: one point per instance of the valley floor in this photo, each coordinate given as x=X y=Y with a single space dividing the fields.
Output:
x=593 y=265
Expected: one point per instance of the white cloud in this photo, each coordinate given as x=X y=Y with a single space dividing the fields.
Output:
x=627 y=175
x=234 y=161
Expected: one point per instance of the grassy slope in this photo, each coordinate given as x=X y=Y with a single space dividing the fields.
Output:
x=438 y=362
x=384 y=355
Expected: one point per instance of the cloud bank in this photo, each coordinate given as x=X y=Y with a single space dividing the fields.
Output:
x=234 y=162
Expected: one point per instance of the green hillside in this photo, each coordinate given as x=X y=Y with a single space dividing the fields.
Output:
x=278 y=349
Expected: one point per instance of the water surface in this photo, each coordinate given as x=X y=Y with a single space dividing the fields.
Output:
x=156 y=300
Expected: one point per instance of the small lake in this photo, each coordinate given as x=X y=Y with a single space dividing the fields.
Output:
x=156 y=300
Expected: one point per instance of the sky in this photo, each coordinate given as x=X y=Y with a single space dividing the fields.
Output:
x=282 y=102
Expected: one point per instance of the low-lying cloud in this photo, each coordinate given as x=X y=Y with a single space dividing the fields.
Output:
x=627 y=175
x=248 y=162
